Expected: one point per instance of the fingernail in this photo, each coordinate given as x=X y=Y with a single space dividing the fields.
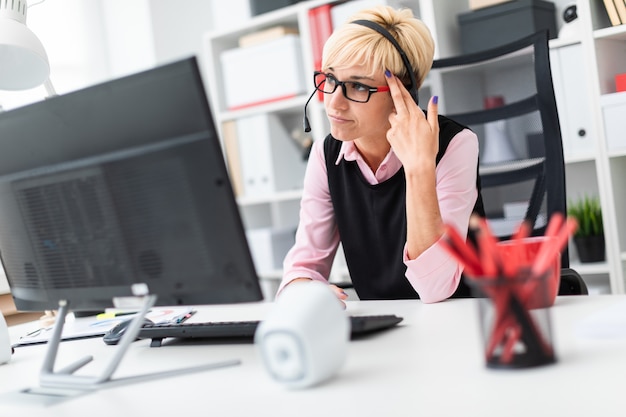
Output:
x=435 y=99
x=387 y=73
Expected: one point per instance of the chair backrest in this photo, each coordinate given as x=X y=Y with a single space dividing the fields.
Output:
x=521 y=169
x=572 y=283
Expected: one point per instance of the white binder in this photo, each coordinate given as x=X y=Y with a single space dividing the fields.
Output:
x=270 y=160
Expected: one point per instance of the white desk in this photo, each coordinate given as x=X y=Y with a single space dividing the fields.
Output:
x=430 y=366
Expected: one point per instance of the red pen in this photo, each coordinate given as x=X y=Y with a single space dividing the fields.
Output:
x=488 y=248
x=463 y=251
x=554 y=225
x=551 y=248
x=515 y=264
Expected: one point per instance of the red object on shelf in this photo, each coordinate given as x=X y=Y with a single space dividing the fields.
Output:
x=321 y=26
x=620 y=82
x=491 y=102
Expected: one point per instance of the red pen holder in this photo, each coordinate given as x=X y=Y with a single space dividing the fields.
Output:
x=523 y=253
x=516 y=334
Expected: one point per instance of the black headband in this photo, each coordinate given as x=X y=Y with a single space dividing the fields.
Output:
x=378 y=28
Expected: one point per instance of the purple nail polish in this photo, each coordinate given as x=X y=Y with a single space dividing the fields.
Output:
x=435 y=99
x=387 y=73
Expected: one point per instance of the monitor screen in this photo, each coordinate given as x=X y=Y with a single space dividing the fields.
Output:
x=118 y=185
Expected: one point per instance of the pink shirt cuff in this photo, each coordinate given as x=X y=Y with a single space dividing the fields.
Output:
x=426 y=271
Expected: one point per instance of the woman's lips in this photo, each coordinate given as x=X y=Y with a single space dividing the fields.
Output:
x=338 y=119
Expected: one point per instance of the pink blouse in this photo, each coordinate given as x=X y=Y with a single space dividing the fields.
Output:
x=434 y=274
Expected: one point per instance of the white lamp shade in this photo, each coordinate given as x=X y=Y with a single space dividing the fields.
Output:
x=23 y=59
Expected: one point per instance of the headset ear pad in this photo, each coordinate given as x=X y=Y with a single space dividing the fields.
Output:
x=384 y=32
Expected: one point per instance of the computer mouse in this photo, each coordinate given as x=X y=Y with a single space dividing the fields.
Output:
x=113 y=336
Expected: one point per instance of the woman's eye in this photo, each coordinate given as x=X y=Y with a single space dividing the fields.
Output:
x=359 y=87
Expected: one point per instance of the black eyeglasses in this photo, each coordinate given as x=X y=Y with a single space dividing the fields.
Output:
x=361 y=93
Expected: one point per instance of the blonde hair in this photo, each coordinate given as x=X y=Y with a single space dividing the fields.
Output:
x=353 y=44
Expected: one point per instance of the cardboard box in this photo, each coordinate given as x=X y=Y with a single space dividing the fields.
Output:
x=262 y=73
x=613 y=111
x=267 y=35
x=504 y=23
x=479 y=4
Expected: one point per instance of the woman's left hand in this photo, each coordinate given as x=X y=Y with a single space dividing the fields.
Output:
x=412 y=135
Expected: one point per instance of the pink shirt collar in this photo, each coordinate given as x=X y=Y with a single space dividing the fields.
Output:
x=390 y=165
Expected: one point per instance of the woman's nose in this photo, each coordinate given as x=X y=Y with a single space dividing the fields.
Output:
x=337 y=96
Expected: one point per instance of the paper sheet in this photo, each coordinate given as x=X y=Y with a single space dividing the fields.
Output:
x=80 y=328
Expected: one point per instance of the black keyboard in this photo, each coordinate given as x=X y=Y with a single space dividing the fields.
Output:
x=244 y=330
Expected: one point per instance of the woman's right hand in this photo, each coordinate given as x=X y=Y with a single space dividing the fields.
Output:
x=339 y=292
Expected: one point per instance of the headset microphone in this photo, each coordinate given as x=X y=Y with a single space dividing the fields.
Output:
x=378 y=28
x=305 y=121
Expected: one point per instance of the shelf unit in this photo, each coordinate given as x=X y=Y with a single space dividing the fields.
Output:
x=584 y=67
x=604 y=54
x=592 y=169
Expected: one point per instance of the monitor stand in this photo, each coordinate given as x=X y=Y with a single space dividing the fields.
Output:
x=64 y=381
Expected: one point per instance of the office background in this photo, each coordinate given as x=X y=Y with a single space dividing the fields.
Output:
x=90 y=42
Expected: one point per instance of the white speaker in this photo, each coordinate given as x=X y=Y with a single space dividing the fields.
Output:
x=5 y=343
x=304 y=339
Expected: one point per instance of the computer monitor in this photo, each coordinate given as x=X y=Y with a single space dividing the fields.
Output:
x=120 y=186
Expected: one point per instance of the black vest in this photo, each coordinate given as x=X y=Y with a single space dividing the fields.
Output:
x=372 y=222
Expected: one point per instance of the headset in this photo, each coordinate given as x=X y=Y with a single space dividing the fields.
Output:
x=378 y=28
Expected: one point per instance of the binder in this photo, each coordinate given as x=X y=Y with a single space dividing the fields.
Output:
x=231 y=149
x=611 y=10
x=269 y=247
x=270 y=161
x=321 y=27
x=572 y=103
x=613 y=110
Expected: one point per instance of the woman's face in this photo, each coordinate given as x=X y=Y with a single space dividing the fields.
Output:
x=350 y=120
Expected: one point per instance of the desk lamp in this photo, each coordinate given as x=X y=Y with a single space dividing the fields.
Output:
x=23 y=59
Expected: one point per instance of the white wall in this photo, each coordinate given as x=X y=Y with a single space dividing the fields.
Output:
x=129 y=45
x=178 y=27
x=90 y=41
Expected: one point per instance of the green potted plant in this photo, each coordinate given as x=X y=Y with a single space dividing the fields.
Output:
x=589 y=237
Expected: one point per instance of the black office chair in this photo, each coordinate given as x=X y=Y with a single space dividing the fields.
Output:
x=572 y=283
x=537 y=174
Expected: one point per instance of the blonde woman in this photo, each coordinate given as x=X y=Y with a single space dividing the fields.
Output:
x=389 y=175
